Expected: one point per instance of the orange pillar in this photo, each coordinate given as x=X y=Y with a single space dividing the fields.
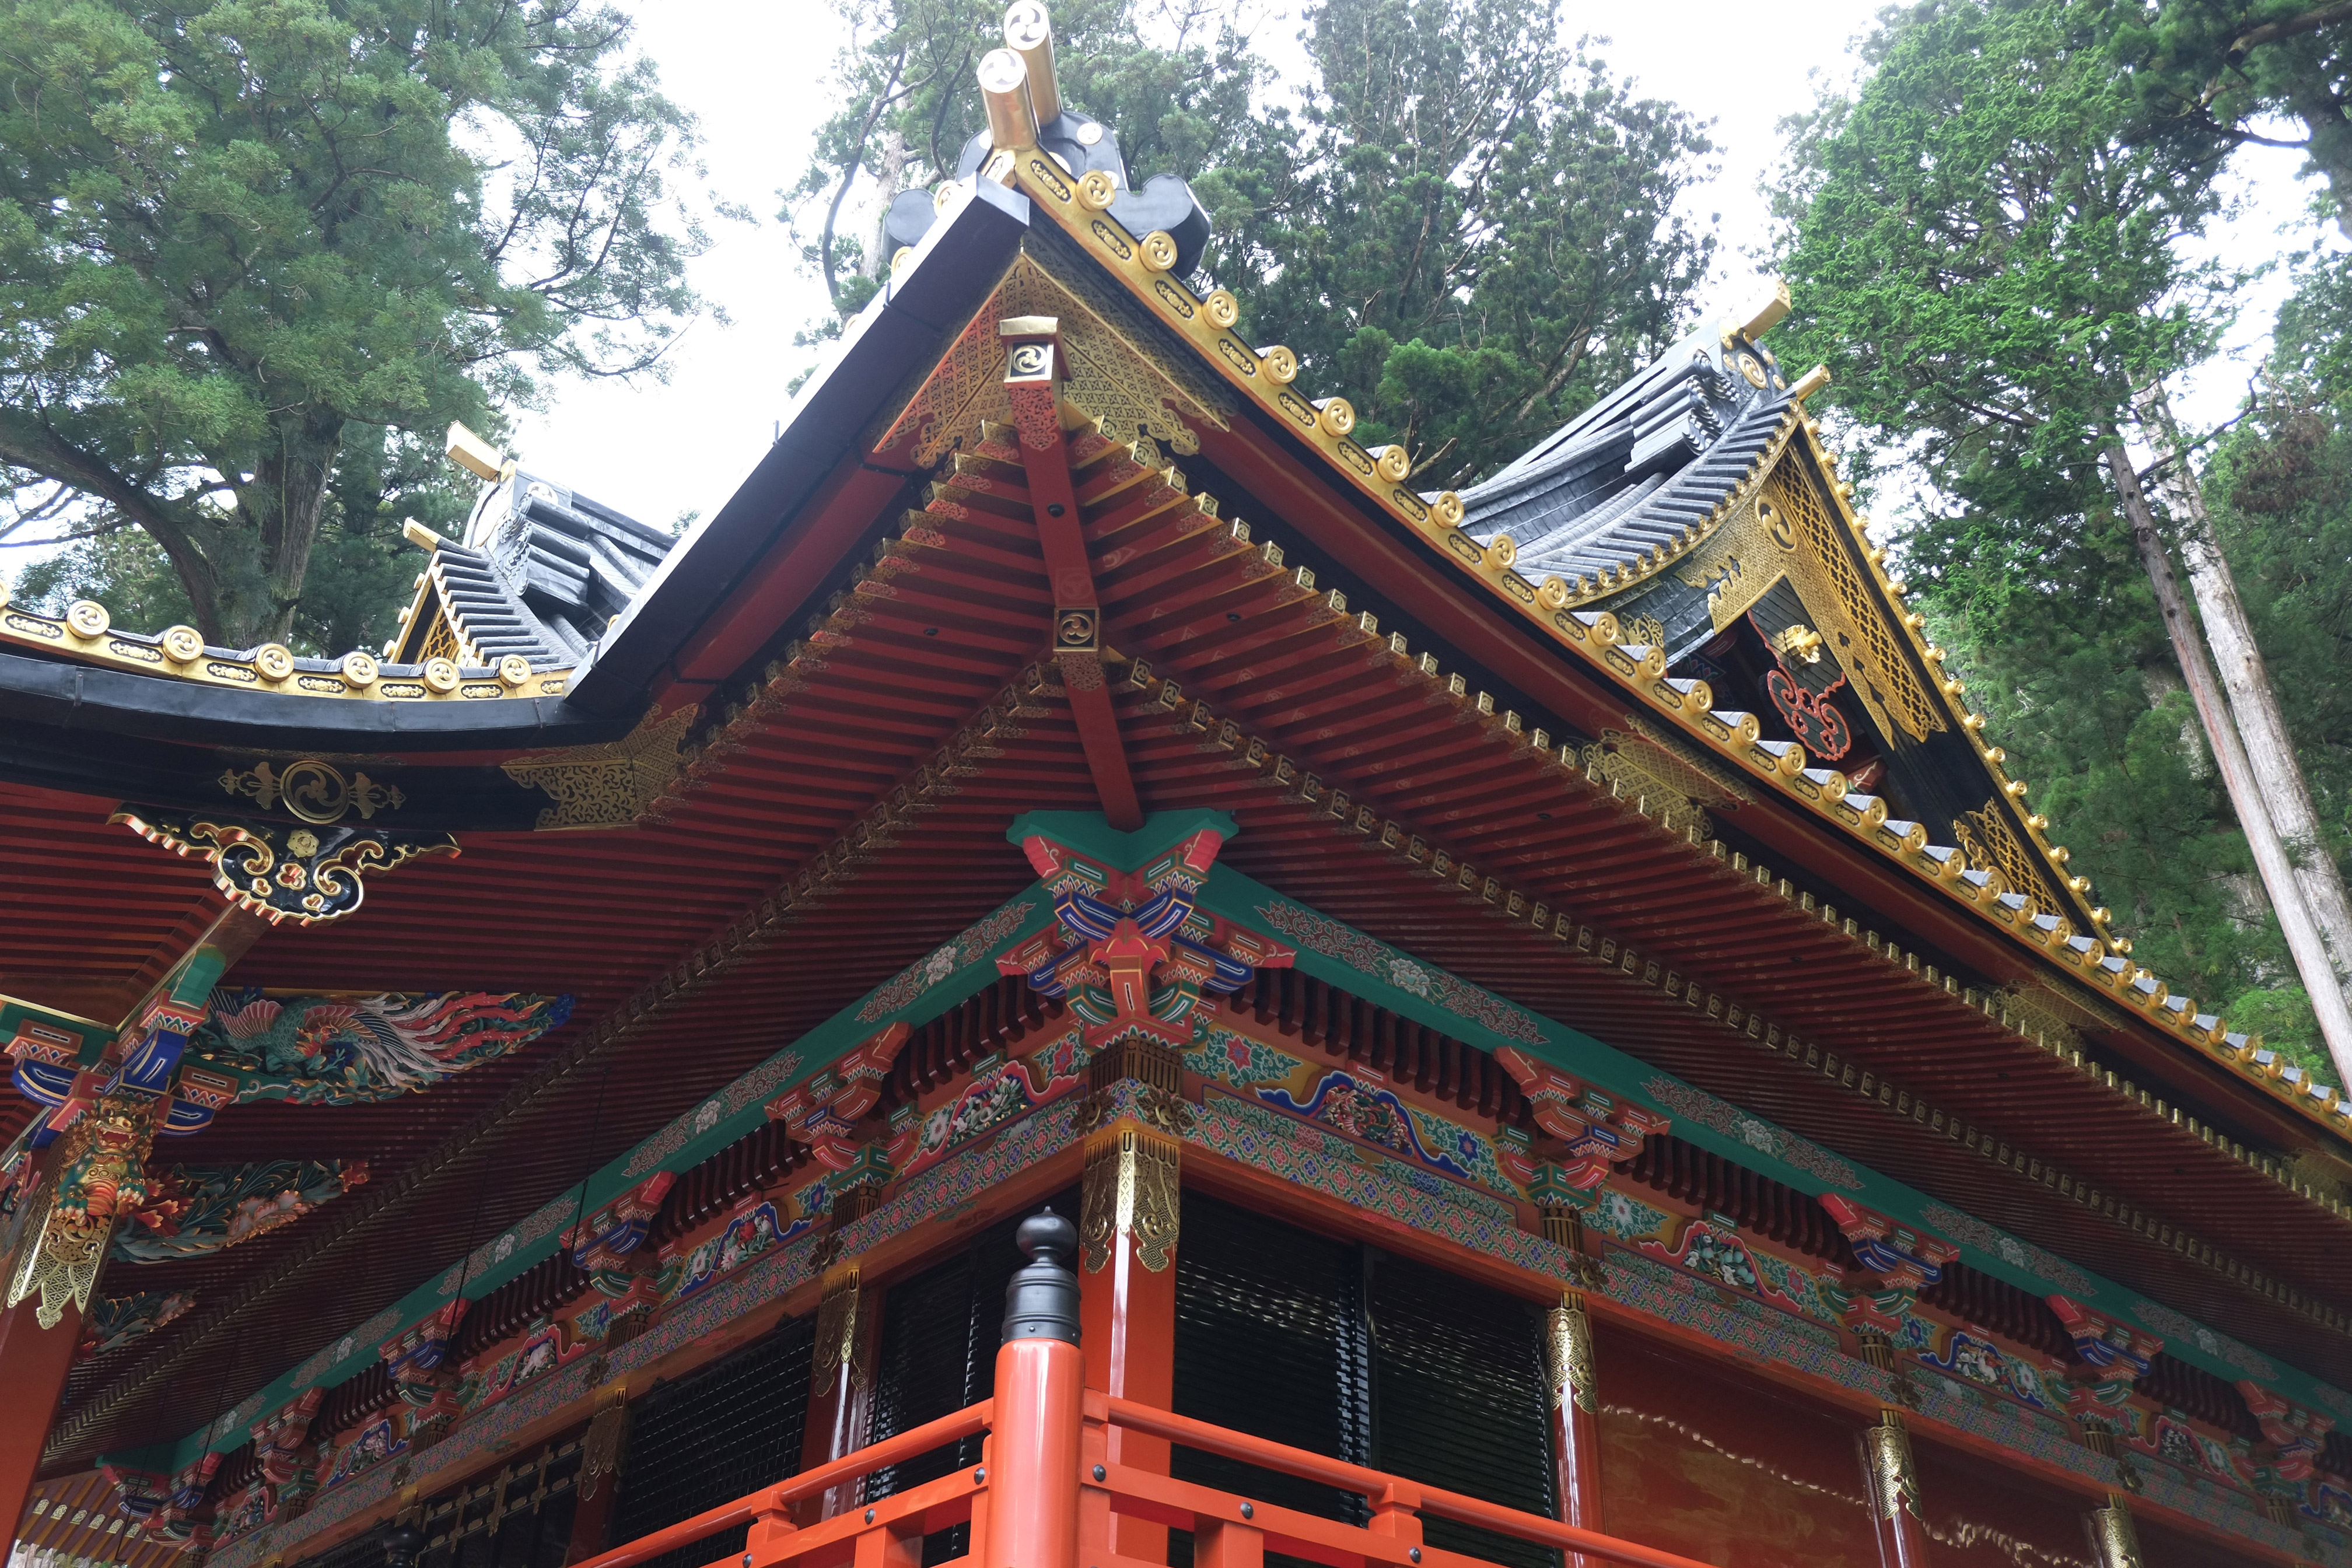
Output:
x=1127 y=1297
x=840 y=1406
x=1575 y=1405
x=1034 y=1439
x=34 y=1362
x=1894 y=1493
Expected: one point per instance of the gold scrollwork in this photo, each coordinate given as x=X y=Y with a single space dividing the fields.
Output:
x=1893 y=1479
x=1107 y=377
x=841 y=1327
x=2112 y=1533
x=1131 y=1189
x=1567 y=1355
x=609 y=785
x=312 y=790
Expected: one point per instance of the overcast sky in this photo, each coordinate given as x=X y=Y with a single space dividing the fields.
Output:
x=756 y=73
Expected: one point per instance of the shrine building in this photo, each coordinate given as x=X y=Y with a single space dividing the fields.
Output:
x=1549 y=1035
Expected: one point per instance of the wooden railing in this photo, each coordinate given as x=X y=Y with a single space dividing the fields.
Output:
x=1045 y=1492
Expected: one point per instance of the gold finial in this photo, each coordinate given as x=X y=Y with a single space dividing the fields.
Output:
x=1011 y=114
x=419 y=535
x=1814 y=380
x=1767 y=312
x=1029 y=33
x=473 y=454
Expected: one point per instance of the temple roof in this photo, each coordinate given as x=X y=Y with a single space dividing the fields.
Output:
x=1641 y=470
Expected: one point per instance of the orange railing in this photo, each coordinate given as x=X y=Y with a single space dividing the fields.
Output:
x=1043 y=1494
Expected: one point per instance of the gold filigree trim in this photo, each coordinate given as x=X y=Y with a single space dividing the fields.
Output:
x=1780 y=530
x=1568 y=1357
x=607 y=786
x=1984 y=835
x=180 y=654
x=841 y=1329
x=1109 y=378
x=1131 y=1191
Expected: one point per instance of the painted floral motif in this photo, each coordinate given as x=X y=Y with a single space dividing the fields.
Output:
x=1365 y=1109
x=2220 y=1347
x=750 y=1233
x=353 y=1050
x=995 y=1096
x=548 y=1347
x=1727 y=1118
x=375 y=1443
x=1971 y=1231
x=1361 y=953
x=118 y=1321
x=1236 y=1059
x=752 y=1087
x=192 y=1210
x=1626 y=1219
x=976 y=943
x=1976 y=1361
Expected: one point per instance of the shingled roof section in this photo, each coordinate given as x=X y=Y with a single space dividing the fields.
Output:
x=1636 y=470
x=545 y=570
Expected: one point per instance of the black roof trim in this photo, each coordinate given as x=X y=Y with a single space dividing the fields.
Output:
x=950 y=272
x=61 y=695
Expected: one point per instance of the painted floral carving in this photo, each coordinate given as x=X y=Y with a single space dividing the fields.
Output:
x=353 y=1050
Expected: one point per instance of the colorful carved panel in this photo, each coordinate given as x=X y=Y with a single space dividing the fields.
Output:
x=354 y=1050
x=192 y=1210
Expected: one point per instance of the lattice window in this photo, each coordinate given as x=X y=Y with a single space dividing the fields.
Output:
x=1989 y=845
x=441 y=642
x=1878 y=658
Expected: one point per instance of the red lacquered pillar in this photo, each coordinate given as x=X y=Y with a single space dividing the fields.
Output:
x=1893 y=1484
x=841 y=1393
x=1575 y=1406
x=1126 y=1298
x=34 y=1362
x=1035 y=1439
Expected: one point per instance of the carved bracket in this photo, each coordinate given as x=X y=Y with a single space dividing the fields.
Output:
x=283 y=872
x=825 y=1111
x=1130 y=951
x=1597 y=1129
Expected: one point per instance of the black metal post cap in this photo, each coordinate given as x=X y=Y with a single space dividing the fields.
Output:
x=1042 y=1300
x=400 y=1544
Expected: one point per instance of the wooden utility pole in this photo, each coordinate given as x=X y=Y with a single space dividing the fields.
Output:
x=2303 y=939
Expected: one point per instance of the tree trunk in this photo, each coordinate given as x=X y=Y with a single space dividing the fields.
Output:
x=2303 y=938
x=890 y=178
x=284 y=499
x=2253 y=701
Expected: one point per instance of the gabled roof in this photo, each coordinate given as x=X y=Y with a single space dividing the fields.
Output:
x=544 y=572
x=1639 y=472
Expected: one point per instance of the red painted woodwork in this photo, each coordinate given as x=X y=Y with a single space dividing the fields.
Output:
x=1046 y=1494
x=1127 y=1316
x=1576 y=1453
x=1033 y=1458
x=1902 y=1539
x=840 y=1417
x=1985 y=1515
x=34 y=1362
x=1727 y=1471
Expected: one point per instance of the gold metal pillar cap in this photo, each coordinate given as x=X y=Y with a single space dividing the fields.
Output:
x=1004 y=83
x=1029 y=33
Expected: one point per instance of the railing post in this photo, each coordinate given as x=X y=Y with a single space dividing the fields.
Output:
x=1034 y=1447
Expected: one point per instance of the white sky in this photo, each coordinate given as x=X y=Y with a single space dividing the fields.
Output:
x=755 y=71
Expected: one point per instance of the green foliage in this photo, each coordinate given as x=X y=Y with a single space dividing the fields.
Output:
x=2209 y=75
x=1988 y=255
x=231 y=235
x=1461 y=226
x=1173 y=80
x=1473 y=234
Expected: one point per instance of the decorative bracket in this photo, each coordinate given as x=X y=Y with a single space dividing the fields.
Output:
x=415 y=1357
x=2294 y=1434
x=1898 y=1255
x=604 y=1245
x=1598 y=1131
x=825 y=1111
x=283 y=871
x=1132 y=951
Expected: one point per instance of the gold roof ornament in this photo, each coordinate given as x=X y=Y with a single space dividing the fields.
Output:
x=476 y=456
